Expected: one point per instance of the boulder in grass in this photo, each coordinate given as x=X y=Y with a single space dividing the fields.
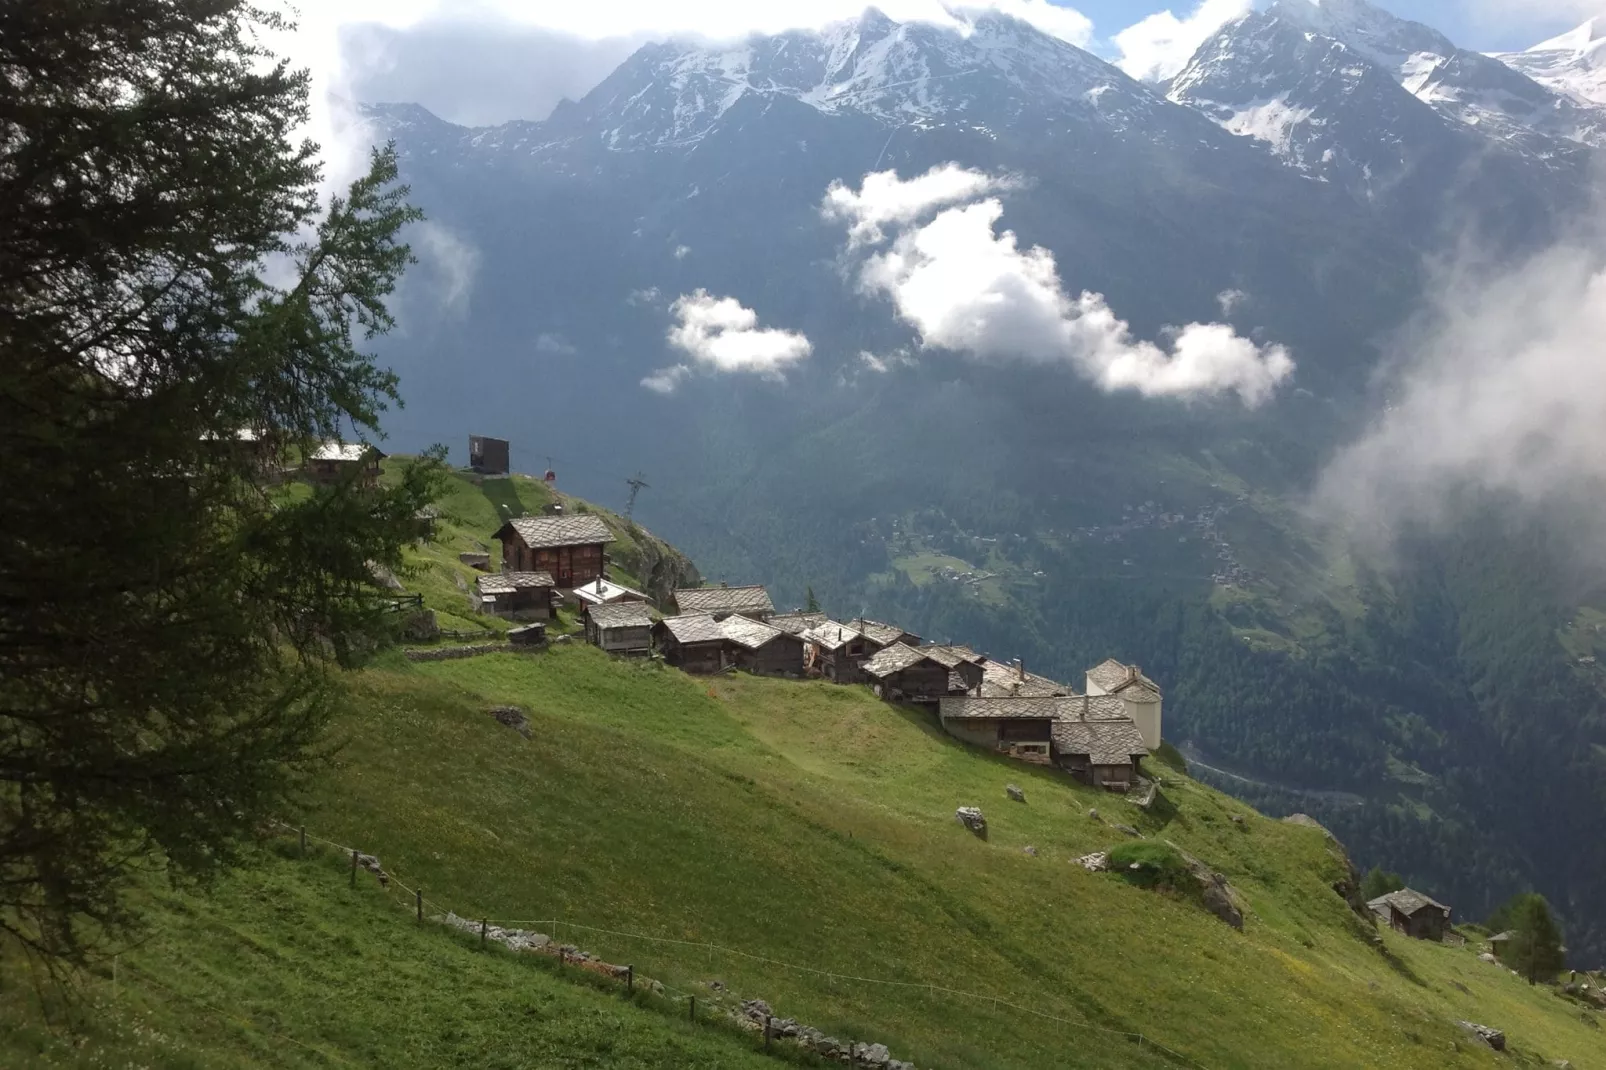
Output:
x=1014 y=792
x=971 y=817
x=1488 y=1034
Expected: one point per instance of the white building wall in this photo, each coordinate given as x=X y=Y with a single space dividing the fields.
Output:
x=1146 y=715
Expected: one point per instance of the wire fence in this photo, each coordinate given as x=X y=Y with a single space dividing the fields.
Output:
x=554 y=926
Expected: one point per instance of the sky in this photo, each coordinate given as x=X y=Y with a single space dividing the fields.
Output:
x=480 y=62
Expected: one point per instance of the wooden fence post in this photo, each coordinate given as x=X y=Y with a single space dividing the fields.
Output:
x=418 y=897
x=769 y=1024
x=354 y=867
x=691 y=1014
x=303 y=841
x=630 y=978
x=485 y=926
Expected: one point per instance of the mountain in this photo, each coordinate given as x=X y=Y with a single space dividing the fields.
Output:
x=1393 y=112
x=1016 y=505
x=733 y=838
x=1572 y=65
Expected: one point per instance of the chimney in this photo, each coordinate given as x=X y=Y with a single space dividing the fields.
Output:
x=1020 y=668
x=1131 y=674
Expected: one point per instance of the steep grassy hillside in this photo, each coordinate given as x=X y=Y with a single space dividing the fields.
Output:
x=803 y=825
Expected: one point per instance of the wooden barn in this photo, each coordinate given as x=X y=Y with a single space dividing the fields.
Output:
x=966 y=668
x=883 y=635
x=516 y=595
x=693 y=643
x=1412 y=913
x=336 y=461
x=1022 y=728
x=836 y=652
x=1102 y=753
x=721 y=602
x=620 y=628
x=762 y=649
x=903 y=673
x=571 y=548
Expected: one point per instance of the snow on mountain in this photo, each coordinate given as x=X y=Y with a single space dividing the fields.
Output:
x=1573 y=65
x=900 y=73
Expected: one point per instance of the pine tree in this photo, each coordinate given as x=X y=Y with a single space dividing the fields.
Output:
x=1379 y=881
x=1535 y=950
x=812 y=605
x=170 y=621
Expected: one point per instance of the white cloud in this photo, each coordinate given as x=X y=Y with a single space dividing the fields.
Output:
x=883 y=198
x=666 y=380
x=554 y=345
x=1501 y=391
x=898 y=358
x=1231 y=301
x=966 y=287
x=682 y=251
x=1157 y=47
x=450 y=262
x=649 y=296
x=723 y=335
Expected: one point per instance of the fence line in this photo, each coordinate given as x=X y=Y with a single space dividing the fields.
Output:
x=1142 y=1039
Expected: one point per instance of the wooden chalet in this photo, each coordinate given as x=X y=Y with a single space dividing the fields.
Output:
x=516 y=595
x=488 y=456
x=571 y=548
x=966 y=668
x=1102 y=753
x=336 y=461
x=1001 y=679
x=620 y=628
x=1412 y=913
x=1022 y=728
x=836 y=652
x=883 y=635
x=902 y=673
x=693 y=642
x=761 y=648
x=720 y=602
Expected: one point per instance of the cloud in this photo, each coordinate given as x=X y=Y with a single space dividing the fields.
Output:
x=450 y=262
x=898 y=358
x=1157 y=47
x=966 y=287
x=682 y=251
x=554 y=345
x=1231 y=301
x=666 y=380
x=883 y=198
x=1501 y=389
x=722 y=335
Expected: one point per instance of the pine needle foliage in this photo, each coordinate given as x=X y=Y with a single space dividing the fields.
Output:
x=169 y=621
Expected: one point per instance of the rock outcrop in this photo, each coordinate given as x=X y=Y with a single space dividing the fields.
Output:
x=971 y=817
x=1489 y=1035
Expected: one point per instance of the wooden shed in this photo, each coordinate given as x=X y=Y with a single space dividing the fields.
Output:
x=694 y=643
x=1102 y=753
x=621 y=628
x=965 y=667
x=883 y=635
x=902 y=673
x=1412 y=913
x=571 y=548
x=836 y=652
x=762 y=649
x=516 y=595
x=335 y=461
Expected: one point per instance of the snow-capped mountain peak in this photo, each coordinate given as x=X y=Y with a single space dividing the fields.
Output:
x=1573 y=65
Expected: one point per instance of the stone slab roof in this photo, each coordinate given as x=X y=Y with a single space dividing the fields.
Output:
x=751 y=599
x=896 y=658
x=601 y=591
x=547 y=532
x=1104 y=742
x=1002 y=680
x=1102 y=708
x=797 y=623
x=877 y=632
x=342 y=451
x=694 y=628
x=951 y=655
x=749 y=633
x=970 y=708
x=1113 y=676
x=621 y=615
x=1409 y=902
x=508 y=582
x=830 y=635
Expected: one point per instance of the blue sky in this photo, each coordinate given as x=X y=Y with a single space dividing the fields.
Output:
x=1456 y=19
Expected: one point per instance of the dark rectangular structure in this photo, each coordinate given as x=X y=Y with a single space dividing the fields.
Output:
x=488 y=456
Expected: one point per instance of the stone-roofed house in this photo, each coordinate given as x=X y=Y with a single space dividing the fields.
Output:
x=908 y=674
x=569 y=547
x=836 y=652
x=620 y=627
x=761 y=648
x=1102 y=753
x=334 y=461
x=797 y=623
x=1412 y=913
x=721 y=602
x=1019 y=727
x=966 y=667
x=883 y=635
x=693 y=642
x=516 y=595
x=1142 y=695
x=1011 y=680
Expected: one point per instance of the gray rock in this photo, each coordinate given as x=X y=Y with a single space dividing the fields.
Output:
x=1489 y=1035
x=1238 y=819
x=1097 y=862
x=1014 y=792
x=513 y=718
x=1128 y=829
x=1032 y=851
x=1094 y=814
x=421 y=627
x=1486 y=957
x=971 y=817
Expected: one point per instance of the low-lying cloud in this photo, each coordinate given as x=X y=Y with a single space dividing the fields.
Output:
x=1501 y=389
x=1159 y=46
x=720 y=334
x=967 y=287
